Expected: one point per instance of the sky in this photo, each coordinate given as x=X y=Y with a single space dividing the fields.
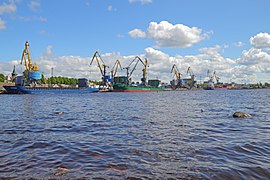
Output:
x=229 y=37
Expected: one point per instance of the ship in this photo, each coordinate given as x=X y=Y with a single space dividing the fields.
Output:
x=45 y=90
x=134 y=88
x=30 y=81
x=20 y=88
x=124 y=84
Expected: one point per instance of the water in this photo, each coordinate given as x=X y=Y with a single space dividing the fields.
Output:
x=189 y=135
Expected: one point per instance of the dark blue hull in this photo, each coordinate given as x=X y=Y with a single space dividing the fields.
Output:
x=43 y=90
x=209 y=88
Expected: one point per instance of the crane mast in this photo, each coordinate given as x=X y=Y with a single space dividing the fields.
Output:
x=190 y=72
x=101 y=65
x=176 y=72
x=145 y=64
x=115 y=67
x=26 y=57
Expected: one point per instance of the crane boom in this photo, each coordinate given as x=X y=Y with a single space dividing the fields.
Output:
x=176 y=72
x=98 y=58
x=29 y=66
x=145 y=65
x=115 y=67
x=27 y=59
x=102 y=67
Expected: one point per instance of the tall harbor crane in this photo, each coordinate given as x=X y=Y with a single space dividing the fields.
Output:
x=27 y=60
x=210 y=85
x=190 y=72
x=176 y=82
x=114 y=70
x=102 y=67
x=136 y=60
x=192 y=77
x=31 y=72
x=216 y=77
x=176 y=72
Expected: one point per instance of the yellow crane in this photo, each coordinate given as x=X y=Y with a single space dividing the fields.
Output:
x=145 y=65
x=176 y=72
x=101 y=65
x=190 y=72
x=27 y=59
x=192 y=77
x=115 y=67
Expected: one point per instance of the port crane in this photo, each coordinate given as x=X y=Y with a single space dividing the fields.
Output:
x=211 y=76
x=192 y=76
x=190 y=72
x=175 y=83
x=115 y=68
x=29 y=66
x=176 y=72
x=216 y=77
x=136 y=60
x=102 y=67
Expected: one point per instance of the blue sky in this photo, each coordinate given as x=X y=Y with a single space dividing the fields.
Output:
x=206 y=34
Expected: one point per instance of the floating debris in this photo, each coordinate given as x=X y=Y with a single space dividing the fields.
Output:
x=59 y=113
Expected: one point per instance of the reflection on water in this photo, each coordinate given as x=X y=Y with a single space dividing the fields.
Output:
x=160 y=135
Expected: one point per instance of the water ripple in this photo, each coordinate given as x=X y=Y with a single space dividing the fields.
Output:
x=178 y=135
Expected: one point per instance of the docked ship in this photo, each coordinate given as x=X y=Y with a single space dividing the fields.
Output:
x=124 y=84
x=29 y=82
x=20 y=88
x=120 y=87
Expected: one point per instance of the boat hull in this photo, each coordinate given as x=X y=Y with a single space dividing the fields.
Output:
x=125 y=88
x=209 y=88
x=43 y=90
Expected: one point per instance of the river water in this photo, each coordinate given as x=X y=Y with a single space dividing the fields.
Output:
x=159 y=135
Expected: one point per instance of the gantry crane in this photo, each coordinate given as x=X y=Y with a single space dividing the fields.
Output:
x=115 y=67
x=102 y=67
x=145 y=65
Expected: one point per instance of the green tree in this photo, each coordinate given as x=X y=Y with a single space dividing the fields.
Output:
x=2 y=77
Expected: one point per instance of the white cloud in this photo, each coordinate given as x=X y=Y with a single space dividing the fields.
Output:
x=252 y=66
x=166 y=34
x=34 y=5
x=137 y=33
x=254 y=56
x=142 y=1
x=49 y=50
x=110 y=8
x=239 y=44
x=2 y=24
x=33 y=18
x=261 y=41
x=8 y=8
